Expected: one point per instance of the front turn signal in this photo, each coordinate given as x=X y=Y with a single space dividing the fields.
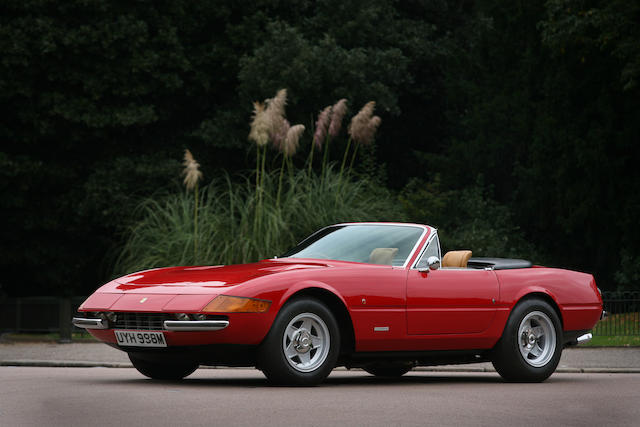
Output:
x=227 y=304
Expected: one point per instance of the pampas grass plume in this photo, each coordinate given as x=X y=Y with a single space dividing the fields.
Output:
x=260 y=125
x=363 y=126
x=321 y=126
x=281 y=133
x=291 y=141
x=275 y=112
x=338 y=111
x=191 y=171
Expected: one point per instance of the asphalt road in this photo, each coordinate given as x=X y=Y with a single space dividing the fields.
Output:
x=611 y=360
x=31 y=396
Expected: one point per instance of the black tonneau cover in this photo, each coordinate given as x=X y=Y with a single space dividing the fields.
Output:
x=498 y=263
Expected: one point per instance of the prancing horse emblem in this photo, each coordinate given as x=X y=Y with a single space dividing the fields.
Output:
x=143 y=300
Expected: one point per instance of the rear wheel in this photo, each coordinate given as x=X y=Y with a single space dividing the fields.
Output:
x=302 y=345
x=389 y=369
x=163 y=370
x=531 y=344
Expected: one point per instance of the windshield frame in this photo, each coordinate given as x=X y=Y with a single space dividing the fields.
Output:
x=432 y=236
x=425 y=229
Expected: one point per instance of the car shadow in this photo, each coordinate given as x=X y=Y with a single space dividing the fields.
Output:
x=337 y=379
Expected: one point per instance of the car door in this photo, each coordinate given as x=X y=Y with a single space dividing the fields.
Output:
x=376 y=302
x=450 y=300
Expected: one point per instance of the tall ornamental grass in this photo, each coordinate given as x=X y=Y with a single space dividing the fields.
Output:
x=265 y=214
x=227 y=232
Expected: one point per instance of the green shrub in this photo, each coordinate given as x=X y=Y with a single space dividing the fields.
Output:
x=467 y=219
x=628 y=274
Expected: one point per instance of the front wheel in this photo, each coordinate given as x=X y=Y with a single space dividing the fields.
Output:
x=163 y=370
x=531 y=344
x=302 y=345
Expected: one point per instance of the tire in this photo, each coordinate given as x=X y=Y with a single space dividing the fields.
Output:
x=531 y=344
x=302 y=346
x=163 y=370
x=389 y=369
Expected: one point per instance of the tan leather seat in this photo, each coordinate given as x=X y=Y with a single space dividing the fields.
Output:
x=382 y=256
x=456 y=259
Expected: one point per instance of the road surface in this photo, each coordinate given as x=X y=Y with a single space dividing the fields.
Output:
x=573 y=360
x=38 y=396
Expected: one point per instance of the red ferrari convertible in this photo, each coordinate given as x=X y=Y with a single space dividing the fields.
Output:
x=377 y=296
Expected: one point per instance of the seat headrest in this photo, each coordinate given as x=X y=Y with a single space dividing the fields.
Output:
x=456 y=259
x=382 y=256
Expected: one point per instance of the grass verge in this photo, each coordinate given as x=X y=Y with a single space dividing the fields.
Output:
x=613 y=341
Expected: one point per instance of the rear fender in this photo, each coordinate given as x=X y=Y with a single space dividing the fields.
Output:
x=545 y=295
x=526 y=293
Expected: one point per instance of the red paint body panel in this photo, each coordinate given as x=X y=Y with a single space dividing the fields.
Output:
x=574 y=293
x=145 y=303
x=188 y=303
x=100 y=301
x=451 y=301
x=391 y=308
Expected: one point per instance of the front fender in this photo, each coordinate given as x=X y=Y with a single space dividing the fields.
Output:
x=305 y=285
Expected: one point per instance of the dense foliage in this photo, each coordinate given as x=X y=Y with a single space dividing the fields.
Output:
x=512 y=125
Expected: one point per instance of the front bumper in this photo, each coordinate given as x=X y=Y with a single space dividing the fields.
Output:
x=169 y=325
x=88 y=323
x=227 y=328
x=195 y=325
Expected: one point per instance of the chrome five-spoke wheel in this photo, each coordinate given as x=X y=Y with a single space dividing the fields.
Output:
x=303 y=344
x=306 y=342
x=531 y=343
x=537 y=339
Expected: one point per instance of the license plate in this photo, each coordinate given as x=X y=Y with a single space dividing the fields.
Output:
x=140 y=339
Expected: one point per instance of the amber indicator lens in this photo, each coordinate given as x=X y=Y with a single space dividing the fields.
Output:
x=227 y=304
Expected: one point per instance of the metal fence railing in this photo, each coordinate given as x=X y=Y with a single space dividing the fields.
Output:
x=623 y=308
x=38 y=314
x=48 y=314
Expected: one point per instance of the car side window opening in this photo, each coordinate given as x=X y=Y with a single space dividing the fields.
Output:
x=433 y=249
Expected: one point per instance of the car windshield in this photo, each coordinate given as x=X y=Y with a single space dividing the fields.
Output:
x=367 y=243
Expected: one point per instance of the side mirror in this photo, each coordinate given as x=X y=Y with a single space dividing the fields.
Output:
x=433 y=263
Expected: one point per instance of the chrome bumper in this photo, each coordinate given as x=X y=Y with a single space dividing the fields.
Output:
x=86 y=323
x=584 y=338
x=195 y=325
x=169 y=325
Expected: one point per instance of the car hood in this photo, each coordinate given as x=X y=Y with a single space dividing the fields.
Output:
x=188 y=289
x=204 y=279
